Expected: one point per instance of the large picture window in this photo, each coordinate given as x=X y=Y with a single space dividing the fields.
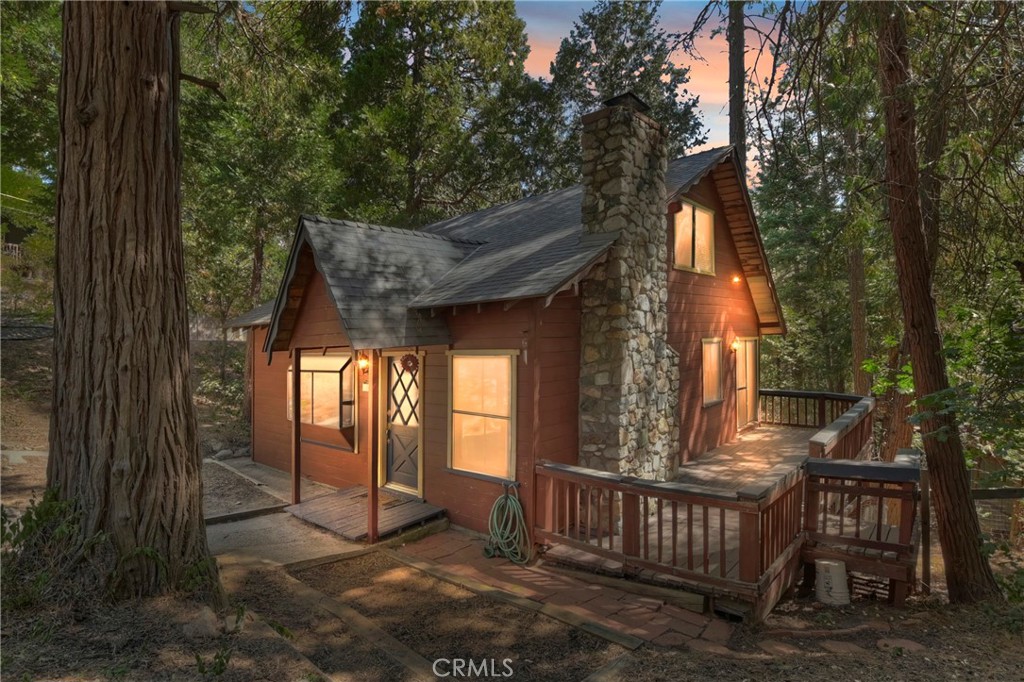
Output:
x=482 y=399
x=328 y=395
x=712 y=370
x=695 y=239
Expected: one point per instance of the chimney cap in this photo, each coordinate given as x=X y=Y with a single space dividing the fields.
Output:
x=628 y=99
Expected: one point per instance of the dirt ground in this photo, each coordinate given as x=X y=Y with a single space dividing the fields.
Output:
x=439 y=620
x=225 y=491
x=141 y=641
x=25 y=377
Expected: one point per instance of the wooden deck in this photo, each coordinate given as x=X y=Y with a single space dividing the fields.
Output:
x=344 y=512
x=757 y=457
x=703 y=538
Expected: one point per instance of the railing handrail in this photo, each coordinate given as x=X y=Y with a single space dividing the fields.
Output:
x=826 y=438
x=794 y=393
x=669 y=490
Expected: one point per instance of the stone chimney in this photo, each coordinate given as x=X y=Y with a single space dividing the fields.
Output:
x=629 y=376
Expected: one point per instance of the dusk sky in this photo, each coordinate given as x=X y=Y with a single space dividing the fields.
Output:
x=548 y=22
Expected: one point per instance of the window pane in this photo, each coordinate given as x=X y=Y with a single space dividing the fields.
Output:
x=326 y=398
x=712 y=371
x=347 y=415
x=684 y=237
x=482 y=384
x=306 y=404
x=331 y=362
x=348 y=391
x=480 y=444
x=741 y=365
x=704 y=233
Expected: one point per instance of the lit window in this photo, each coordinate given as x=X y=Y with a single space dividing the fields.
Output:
x=328 y=390
x=712 y=363
x=695 y=239
x=481 y=428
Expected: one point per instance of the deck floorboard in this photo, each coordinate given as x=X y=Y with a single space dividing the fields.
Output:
x=345 y=512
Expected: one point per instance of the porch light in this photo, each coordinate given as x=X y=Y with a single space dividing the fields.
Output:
x=363 y=361
x=735 y=279
x=735 y=345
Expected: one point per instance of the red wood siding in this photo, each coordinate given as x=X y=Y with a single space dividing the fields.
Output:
x=468 y=500
x=317 y=326
x=699 y=307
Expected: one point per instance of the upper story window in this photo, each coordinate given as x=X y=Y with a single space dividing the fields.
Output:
x=328 y=395
x=482 y=423
x=695 y=239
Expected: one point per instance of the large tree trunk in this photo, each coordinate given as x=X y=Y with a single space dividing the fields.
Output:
x=898 y=431
x=737 y=80
x=968 y=575
x=858 y=318
x=123 y=432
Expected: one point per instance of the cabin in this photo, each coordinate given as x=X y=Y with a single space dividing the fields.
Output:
x=587 y=346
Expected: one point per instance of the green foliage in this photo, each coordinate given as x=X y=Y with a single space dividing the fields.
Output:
x=439 y=117
x=30 y=34
x=614 y=47
x=37 y=554
x=281 y=629
x=217 y=665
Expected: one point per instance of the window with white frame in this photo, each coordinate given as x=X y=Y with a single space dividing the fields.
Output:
x=328 y=394
x=695 y=239
x=481 y=416
x=712 y=370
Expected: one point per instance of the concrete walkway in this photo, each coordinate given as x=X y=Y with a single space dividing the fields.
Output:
x=460 y=553
x=276 y=538
x=274 y=481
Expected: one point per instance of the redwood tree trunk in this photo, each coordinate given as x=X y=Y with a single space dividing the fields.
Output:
x=123 y=442
x=737 y=80
x=968 y=575
x=858 y=318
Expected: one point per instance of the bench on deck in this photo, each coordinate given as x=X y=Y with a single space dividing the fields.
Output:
x=866 y=515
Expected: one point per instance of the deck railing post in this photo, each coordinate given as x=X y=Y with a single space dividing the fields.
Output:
x=821 y=412
x=750 y=547
x=631 y=524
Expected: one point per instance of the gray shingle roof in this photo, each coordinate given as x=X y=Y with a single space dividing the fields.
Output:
x=257 y=317
x=535 y=245
x=372 y=273
x=381 y=278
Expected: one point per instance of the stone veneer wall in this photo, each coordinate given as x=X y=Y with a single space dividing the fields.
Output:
x=629 y=375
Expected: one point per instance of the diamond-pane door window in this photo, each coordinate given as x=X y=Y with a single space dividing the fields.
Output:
x=405 y=394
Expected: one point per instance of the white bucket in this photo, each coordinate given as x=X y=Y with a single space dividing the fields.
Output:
x=830 y=582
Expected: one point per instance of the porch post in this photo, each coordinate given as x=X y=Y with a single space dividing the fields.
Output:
x=296 y=425
x=372 y=477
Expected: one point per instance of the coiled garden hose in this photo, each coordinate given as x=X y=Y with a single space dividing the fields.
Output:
x=508 y=528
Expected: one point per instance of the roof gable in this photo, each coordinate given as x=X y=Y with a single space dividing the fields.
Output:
x=372 y=273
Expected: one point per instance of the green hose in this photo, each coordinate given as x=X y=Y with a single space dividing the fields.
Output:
x=508 y=528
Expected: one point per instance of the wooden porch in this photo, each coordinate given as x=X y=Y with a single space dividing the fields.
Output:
x=733 y=522
x=345 y=512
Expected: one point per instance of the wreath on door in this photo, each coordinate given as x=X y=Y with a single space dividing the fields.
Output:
x=410 y=363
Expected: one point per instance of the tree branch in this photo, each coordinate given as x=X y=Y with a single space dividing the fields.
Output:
x=202 y=82
x=193 y=7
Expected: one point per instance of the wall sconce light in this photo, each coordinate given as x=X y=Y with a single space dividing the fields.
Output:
x=736 y=279
x=363 y=362
x=735 y=345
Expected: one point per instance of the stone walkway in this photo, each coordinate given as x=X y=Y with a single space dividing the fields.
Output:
x=650 y=619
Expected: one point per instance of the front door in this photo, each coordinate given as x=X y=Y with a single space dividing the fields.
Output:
x=746 y=382
x=402 y=422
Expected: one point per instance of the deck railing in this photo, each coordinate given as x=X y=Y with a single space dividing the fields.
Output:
x=845 y=421
x=744 y=544
x=803 y=408
x=866 y=514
